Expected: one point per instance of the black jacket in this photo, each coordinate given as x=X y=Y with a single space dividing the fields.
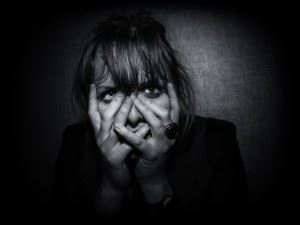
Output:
x=205 y=171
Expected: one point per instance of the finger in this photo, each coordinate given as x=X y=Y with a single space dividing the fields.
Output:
x=162 y=113
x=118 y=154
x=112 y=139
x=147 y=113
x=142 y=132
x=132 y=138
x=113 y=107
x=174 y=102
x=108 y=117
x=122 y=115
x=93 y=109
x=121 y=118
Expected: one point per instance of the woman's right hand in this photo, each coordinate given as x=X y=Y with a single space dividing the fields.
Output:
x=116 y=173
x=114 y=153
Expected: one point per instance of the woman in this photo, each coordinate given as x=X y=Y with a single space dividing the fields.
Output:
x=141 y=150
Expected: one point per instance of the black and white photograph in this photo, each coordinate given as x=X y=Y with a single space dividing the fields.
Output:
x=152 y=111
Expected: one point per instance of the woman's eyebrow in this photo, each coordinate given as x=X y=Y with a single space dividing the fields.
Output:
x=105 y=86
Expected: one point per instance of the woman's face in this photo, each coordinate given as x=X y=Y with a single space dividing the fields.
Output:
x=107 y=91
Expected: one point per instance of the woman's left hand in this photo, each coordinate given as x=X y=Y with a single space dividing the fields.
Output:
x=150 y=168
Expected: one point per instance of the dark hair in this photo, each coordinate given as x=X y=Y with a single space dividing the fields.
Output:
x=128 y=46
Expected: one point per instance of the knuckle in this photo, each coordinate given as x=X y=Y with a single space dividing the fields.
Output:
x=165 y=114
x=101 y=147
x=111 y=158
x=146 y=126
x=90 y=112
x=139 y=142
x=157 y=125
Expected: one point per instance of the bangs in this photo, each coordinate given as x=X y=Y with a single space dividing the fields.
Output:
x=132 y=58
x=134 y=52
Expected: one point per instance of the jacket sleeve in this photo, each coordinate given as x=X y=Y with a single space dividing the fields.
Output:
x=228 y=186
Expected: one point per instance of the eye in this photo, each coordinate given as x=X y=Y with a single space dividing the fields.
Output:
x=107 y=96
x=152 y=92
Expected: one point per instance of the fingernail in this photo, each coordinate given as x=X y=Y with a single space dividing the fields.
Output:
x=145 y=126
x=118 y=126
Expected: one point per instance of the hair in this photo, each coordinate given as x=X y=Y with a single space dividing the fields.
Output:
x=132 y=48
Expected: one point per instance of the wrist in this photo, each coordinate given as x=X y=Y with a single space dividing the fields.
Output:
x=109 y=186
x=151 y=173
x=116 y=179
x=108 y=199
x=155 y=192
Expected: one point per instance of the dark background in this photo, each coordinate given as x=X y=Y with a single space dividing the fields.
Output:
x=240 y=57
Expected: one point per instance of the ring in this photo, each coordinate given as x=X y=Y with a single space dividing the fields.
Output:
x=171 y=130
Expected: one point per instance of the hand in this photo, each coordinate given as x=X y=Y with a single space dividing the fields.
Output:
x=150 y=168
x=113 y=151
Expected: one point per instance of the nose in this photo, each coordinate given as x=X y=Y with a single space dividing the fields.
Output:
x=134 y=117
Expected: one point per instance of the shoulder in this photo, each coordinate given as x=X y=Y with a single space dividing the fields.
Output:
x=212 y=126
x=218 y=127
x=216 y=136
x=208 y=134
